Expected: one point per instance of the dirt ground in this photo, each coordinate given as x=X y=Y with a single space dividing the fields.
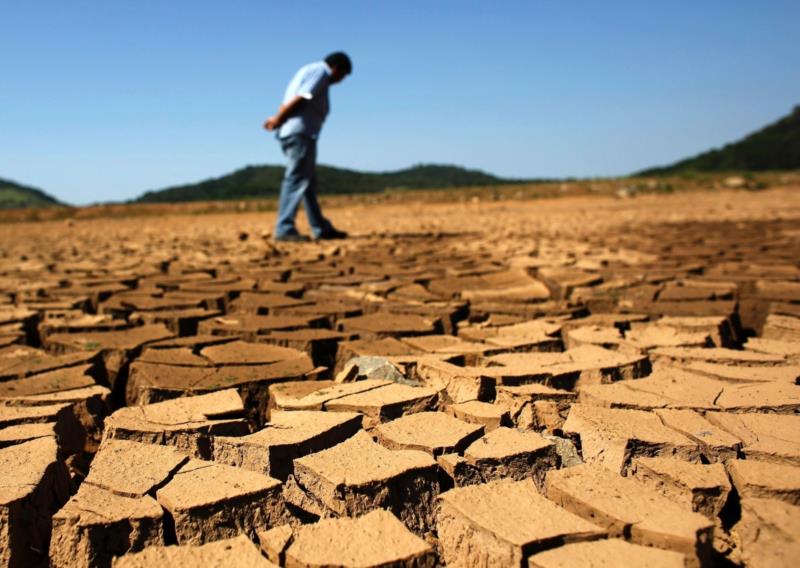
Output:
x=581 y=381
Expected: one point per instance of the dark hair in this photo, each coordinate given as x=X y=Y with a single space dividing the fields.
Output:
x=341 y=61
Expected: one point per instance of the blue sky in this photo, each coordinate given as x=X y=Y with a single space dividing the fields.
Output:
x=103 y=100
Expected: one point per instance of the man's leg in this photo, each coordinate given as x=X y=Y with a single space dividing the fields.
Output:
x=301 y=155
x=319 y=224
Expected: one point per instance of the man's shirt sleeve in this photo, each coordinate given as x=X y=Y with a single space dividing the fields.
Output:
x=312 y=84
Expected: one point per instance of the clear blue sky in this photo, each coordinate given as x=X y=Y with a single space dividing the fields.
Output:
x=104 y=99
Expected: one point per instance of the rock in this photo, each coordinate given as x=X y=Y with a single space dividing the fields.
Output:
x=734 y=182
x=386 y=347
x=378 y=368
x=567 y=453
x=503 y=522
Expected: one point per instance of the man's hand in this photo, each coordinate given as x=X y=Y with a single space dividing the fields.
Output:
x=284 y=112
x=272 y=123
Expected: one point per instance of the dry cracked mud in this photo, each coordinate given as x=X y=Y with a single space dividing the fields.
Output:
x=574 y=382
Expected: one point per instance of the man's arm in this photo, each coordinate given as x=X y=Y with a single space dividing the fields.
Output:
x=284 y=112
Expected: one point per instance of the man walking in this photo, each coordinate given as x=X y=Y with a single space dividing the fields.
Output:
x=298 y=123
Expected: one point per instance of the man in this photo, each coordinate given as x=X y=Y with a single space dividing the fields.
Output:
x=298 y=123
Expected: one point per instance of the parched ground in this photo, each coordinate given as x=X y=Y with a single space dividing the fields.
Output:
x=584 y=381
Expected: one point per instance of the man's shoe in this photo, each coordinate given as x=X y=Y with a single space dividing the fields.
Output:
x=292 y=238
x=331 y=235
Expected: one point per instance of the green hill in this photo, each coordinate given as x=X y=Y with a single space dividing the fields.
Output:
x=774 y=147
x=265 y=181
x=17 y=196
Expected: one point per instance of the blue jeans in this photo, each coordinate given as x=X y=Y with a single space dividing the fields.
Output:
x=300 y=184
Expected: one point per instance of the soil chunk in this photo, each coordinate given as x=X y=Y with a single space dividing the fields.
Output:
x=433 y=432
x=716 y=444
x=502 y=453
x=97 y=525
x=186 y=423
x=755 y=479
x=626 y=506
x=768 y=532
x=490 y=416
x=536 y=406
x=208 y=501
x=768 y=437
x=286 y=437
x=603 y=553
x=117 y=348
x=358 y=476
x=502 y=523
x=700 y=488
x=611 y=437
x=377 y=326
x=375 y=539
x=386 y=403
x=35 y=484
x=238 y=551
x=456 y=384
x=133 y=469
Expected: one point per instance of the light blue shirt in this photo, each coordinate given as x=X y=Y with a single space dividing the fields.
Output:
x=311 y=82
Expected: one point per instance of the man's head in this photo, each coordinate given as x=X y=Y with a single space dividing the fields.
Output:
x=340 y=65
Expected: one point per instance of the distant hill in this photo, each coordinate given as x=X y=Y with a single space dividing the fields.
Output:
x=774 y=147
x=17 y=196
x=265 y=181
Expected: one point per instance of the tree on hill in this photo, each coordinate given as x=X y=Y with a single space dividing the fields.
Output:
x=17 y=196
x=265 y=181
x=774 y=147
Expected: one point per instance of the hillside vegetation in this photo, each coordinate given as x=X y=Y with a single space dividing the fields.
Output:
x=265 y=181
x=17 y=196
x=774 y=147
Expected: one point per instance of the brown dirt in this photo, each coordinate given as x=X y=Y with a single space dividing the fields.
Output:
x=637 y=361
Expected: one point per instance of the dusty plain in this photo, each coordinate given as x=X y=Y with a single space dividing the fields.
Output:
x=578 y=381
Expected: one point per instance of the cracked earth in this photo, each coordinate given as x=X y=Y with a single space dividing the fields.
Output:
x=571 y=382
